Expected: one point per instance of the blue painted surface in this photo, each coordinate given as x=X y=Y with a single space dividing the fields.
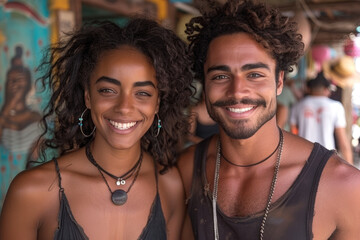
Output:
x=21 y=26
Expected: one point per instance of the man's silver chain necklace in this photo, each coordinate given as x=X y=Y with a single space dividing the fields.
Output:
x=271 y=193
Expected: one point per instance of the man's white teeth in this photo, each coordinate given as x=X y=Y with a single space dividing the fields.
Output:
x=122 y=126
x=240 y=110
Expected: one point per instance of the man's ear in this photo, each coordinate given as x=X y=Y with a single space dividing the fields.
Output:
x=280 y=83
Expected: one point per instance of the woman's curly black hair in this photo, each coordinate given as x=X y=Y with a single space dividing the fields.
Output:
x=69 y=65
x=266 y=25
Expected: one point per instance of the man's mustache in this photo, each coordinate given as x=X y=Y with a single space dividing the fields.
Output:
x=230 y=102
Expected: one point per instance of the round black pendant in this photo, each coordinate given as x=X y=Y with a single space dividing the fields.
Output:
x=119 y=197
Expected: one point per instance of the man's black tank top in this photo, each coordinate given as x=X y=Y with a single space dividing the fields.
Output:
x=69 y=229
x=290 y=217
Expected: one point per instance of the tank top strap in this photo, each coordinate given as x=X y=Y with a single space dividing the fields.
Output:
x=199 y=176
x=58 y=173
x=156 y=177
x=200 y=155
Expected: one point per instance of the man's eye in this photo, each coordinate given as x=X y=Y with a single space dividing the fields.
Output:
x=254 y=75
x=220 y=77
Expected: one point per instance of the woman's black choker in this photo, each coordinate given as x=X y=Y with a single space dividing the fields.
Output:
x=121 y=180
x=257 y=163
x=119 y=196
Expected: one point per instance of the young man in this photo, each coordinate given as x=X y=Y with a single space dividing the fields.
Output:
x=254 y=181
x=318 y=118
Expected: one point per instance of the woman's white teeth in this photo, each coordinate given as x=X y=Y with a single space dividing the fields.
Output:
x=122 y=126
x=240 y=110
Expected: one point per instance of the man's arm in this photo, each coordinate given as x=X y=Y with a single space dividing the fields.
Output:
x=344 y=145
x=185 y=165
x=187 y=233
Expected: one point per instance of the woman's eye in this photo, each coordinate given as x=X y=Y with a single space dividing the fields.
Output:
x=146 y=94
x=106 y=90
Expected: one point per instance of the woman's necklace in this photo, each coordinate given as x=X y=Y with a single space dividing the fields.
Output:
x=271 y=193
x=121 y=180
x=119 y=196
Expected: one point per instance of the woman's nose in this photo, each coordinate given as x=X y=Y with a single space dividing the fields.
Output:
x=124 y=103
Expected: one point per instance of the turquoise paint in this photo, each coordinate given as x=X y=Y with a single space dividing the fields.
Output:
x=21 y=29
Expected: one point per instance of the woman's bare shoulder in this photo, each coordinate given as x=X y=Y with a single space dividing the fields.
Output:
x=39 y=179
x=36 y=183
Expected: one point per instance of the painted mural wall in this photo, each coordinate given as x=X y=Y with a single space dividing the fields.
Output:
x=24 y=33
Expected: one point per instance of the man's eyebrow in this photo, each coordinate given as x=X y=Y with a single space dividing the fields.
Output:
x=108 y=79
x=219 y=68
x=243 y=68
x=254 y=66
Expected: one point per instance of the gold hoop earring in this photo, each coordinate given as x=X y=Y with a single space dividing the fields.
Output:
x=81 y=119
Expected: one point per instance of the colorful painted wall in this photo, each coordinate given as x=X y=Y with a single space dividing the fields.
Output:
x=24 y=33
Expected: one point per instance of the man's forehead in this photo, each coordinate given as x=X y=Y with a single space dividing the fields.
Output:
x=237 y=50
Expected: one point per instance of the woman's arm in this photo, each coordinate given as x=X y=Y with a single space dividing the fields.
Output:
x=19 y=218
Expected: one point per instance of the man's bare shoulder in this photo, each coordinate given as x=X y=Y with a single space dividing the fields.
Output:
x=341 y=181
x=171 y=189
x=185 y=165
x=337 y=208
x=342 y=175
x=171 y=183
x=186 y=156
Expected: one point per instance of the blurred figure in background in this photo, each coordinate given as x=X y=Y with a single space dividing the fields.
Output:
x=289 y=96
x=343 y=74
x=202 y=125
x=318 y=118
x=19 y=125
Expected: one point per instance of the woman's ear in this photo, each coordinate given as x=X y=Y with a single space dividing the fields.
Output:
x=87 y=98
x=157 y=105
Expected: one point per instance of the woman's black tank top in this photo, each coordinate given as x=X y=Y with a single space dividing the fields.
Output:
x=69 y=229
x=290 y=217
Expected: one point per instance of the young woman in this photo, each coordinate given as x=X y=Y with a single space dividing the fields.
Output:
x=118 y=99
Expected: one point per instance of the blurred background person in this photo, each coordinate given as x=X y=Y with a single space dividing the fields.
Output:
x=318 y=118
x=202 y=125
x=342 y=73
x=19 y=126
x=289 y=96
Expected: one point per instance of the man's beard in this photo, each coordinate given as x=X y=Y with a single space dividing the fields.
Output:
x=241 y=131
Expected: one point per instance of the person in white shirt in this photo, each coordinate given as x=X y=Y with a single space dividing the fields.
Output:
x=319 y=118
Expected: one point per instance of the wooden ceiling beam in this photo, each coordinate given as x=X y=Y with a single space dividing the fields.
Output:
x=329 y=37
x=349 y=18
x=124 y=7
x=346 y=6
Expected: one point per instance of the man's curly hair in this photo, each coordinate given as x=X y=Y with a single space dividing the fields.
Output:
x=267 y=26
x=68 y=67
